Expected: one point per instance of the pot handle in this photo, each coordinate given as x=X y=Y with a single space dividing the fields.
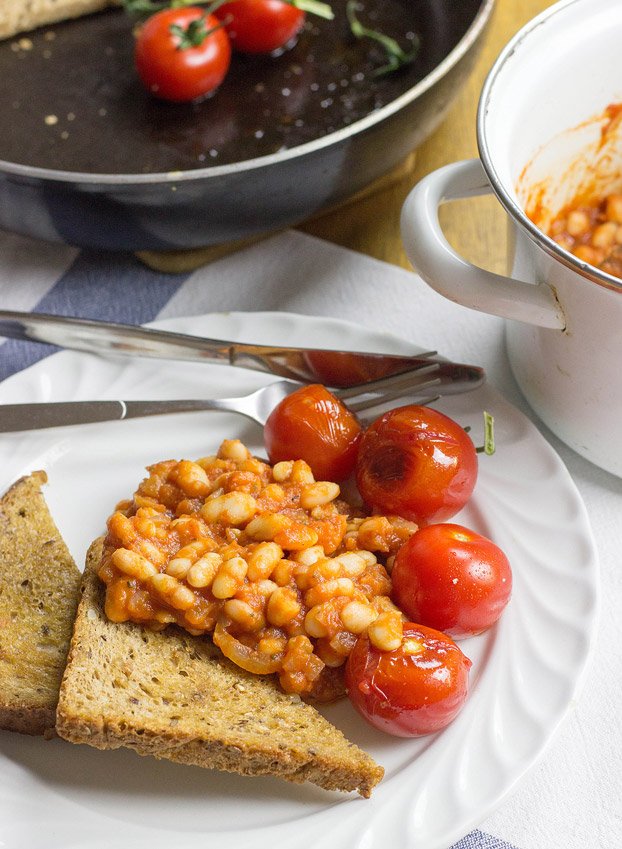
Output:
x=449 y=273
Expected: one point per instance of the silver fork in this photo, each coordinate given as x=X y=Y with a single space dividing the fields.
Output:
x=422 y=385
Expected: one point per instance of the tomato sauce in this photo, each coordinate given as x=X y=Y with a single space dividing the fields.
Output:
x=589 y=226
x=592 y=232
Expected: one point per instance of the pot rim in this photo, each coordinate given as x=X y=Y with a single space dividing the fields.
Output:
x=473 y=32
x=595 y=275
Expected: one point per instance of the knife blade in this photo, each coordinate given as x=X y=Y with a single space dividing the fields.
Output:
x=308 y=365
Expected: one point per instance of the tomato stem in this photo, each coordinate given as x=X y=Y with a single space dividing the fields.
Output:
x=489 y=435
x=396 y=57
x=190 y=36
x=149 y=7
x=143 y=7
x=194 y=34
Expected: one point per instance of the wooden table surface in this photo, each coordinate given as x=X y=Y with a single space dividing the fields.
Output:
x=371 y=225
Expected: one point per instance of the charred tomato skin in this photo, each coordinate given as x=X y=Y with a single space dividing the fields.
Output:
x=418 y=463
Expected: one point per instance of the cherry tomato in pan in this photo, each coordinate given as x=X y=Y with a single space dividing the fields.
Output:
x=452 y=579
x=182 y=54
x=417 y=689
x=312 y=424
x=417 y=463
x=260 y=26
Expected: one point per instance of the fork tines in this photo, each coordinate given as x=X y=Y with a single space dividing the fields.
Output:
x=385 y=389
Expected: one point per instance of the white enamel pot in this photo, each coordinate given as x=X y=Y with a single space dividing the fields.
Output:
x=539 y=131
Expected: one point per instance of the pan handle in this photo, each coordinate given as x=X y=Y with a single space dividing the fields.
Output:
x=449 y=273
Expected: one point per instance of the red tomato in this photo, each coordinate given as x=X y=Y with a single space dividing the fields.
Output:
x=452 y=579
x=182 y=54
x=312 y=424
x=260 y=26
x=341 y=368
x=417 y=463
x=416 y=689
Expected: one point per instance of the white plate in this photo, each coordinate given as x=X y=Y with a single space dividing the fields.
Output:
x=526 y=671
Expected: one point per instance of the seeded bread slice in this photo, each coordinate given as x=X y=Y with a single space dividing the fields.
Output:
x=39 y=584
x=175 y=696
x=17 y=16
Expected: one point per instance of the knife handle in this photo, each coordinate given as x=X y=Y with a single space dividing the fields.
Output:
x=20 y=417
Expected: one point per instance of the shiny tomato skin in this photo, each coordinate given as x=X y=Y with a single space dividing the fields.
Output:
x=260 y=26
x=342 y=368
x=181 y=74
x=409 y=694
x=417 y=463
x=312 y=424
x=451 y=578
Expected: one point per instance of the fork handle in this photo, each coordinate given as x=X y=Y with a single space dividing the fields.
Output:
x=19 y=417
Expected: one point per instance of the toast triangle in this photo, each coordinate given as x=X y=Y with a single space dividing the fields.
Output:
x=39 y=584
x=175 y=696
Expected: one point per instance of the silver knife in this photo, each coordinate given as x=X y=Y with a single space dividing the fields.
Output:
x=333 y=368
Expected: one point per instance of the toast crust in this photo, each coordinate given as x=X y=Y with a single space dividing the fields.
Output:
x=18 y=16
x=38 y=596
x=171 y=695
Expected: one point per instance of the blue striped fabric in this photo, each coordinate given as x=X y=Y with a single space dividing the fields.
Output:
x=479 y=840
x=104 y=286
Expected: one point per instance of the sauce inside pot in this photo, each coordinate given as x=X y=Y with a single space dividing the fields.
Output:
x=578 y=202
x=593 y=233
x=71 y=100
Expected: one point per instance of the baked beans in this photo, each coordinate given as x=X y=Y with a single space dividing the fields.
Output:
x=593 y=233
x=276 y=566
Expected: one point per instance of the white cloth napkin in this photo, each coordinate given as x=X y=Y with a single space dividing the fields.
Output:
x=572 y=798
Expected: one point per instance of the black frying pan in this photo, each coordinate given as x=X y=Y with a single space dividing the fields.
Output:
x=88 y=158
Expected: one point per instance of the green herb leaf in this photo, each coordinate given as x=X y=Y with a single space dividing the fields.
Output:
x=314 y=7
x=396 y=57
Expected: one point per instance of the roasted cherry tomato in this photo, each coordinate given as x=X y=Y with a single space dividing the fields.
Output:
x=182 y=54
x=260 y=26
x=451 y=578
x=312 y=424
x=416 y=689
x=417 y=463
x=341 y=368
